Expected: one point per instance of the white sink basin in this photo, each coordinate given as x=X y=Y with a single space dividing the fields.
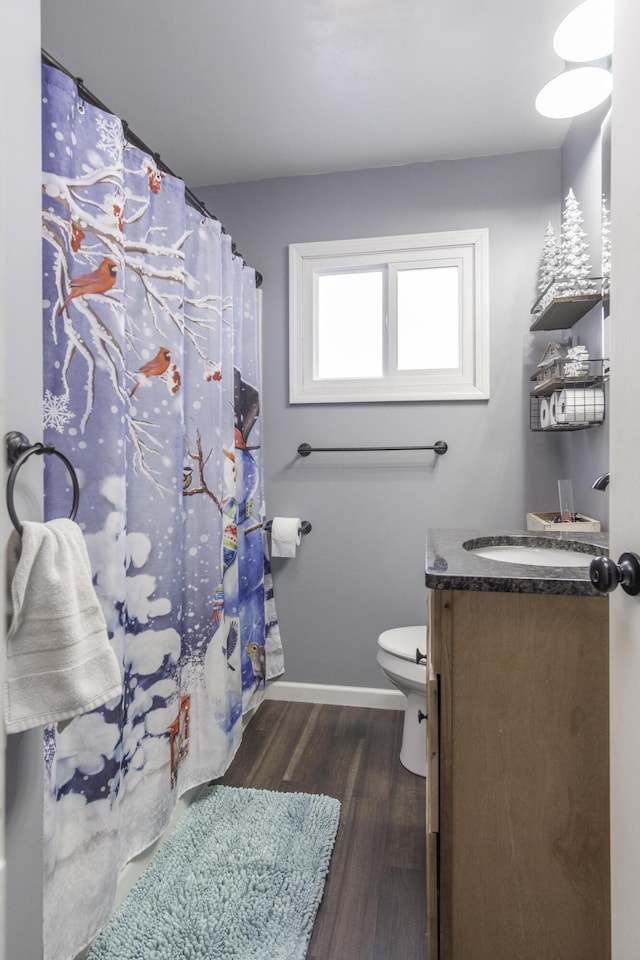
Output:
x=533 y=556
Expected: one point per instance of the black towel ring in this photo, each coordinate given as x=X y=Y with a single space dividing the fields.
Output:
x=19 y=449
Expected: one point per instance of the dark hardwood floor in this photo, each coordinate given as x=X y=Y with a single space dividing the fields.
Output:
x=373 y=906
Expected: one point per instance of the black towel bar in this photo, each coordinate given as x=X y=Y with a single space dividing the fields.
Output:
x=19 y=449
x=305 y=449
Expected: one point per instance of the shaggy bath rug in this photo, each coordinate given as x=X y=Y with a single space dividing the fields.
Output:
x=240 y=878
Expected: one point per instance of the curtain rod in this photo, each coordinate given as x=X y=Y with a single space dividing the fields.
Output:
x=136 y=141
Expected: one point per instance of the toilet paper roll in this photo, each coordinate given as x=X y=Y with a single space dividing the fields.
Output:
x=285 y=536
x=544 y=413
x=581 y=405
x=553 y=403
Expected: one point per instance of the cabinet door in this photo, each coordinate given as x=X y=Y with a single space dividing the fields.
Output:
x=523 y=816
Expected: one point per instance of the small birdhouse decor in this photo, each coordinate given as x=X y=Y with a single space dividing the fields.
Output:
x=551 y=362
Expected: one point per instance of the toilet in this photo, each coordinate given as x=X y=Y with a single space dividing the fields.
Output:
x=397 y=660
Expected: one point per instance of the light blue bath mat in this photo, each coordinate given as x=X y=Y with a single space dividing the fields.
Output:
x=241 y=878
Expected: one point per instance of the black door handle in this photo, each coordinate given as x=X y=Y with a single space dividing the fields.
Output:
x=605 y=574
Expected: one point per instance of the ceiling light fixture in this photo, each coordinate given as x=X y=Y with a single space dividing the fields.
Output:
x=574 y=92
x=584 y=36
x=586 y=33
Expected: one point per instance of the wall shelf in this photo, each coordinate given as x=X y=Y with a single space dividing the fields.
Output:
x=554 y=378
x=570 y=406
x=562 y=312
x=555 y=310
x=538 y=423
x=549 y=387
x=569 y=393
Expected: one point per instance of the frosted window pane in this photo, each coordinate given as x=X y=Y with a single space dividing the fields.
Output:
x=350 y=325
x=428 y=312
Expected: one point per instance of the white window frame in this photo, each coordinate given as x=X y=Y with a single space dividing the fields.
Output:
x=468 y=249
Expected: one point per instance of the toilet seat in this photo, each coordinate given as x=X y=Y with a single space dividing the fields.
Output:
x=404 y=641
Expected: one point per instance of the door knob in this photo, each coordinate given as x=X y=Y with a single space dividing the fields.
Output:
x=605 y=574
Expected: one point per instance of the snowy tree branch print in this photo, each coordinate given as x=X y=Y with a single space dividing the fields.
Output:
x=87 y=221
x=201 y=462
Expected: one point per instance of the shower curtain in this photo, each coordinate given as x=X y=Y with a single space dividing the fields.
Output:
x=151 y=389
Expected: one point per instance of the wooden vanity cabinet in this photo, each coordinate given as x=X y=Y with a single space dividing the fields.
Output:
x=518 y=777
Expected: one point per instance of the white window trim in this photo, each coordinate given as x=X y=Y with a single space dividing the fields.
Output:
x=471 y=382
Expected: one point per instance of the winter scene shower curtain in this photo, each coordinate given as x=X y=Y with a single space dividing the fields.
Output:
x=151 y=389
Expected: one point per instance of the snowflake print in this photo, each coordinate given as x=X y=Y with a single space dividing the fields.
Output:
x=111 y=140
x=56 y=413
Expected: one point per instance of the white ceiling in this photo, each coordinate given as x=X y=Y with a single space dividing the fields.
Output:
x=232 y=90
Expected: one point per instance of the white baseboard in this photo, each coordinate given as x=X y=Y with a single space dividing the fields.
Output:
x=378 y=698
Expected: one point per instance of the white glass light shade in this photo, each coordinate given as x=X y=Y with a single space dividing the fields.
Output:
x=586 y=33
x=574 y=92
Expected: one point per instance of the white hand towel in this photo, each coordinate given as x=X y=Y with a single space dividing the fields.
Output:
x=59 y=661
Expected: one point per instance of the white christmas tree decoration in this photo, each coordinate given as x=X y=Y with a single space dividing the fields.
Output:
x=550 y=260
x=606 y=240
x=575 y=269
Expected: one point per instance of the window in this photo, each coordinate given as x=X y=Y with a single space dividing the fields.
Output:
x=390 y=318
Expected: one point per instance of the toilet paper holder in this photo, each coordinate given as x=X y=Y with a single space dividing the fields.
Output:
x=305 y=527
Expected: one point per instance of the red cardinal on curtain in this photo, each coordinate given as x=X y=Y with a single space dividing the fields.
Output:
x=100 y=280
x=155 y=367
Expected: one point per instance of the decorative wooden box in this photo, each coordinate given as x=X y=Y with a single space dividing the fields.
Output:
x=547 y=521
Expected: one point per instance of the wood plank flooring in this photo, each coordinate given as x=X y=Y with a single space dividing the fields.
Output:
x=373 y=906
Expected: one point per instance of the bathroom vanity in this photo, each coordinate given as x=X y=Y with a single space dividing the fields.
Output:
x=518 y=752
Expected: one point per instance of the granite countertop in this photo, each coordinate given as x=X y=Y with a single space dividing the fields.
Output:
x=450 y=567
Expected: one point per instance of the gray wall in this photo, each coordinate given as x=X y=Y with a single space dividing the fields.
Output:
x=361 y=570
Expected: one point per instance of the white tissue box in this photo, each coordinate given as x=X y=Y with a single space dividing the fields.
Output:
x=545 y=521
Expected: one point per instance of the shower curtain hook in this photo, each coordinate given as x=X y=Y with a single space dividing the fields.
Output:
x=81 y=88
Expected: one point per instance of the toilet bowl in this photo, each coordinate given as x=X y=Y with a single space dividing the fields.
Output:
x=397 y=660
